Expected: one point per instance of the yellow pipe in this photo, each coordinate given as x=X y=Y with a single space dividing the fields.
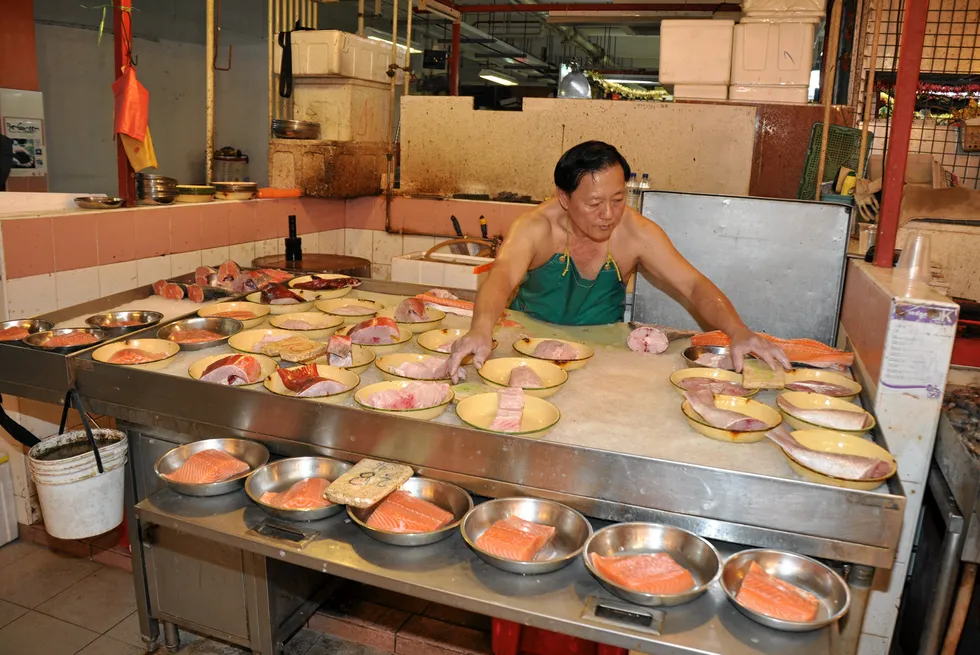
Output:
x=209 y=155
x=408 y=48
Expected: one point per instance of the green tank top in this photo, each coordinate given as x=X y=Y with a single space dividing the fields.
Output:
x=555 y=292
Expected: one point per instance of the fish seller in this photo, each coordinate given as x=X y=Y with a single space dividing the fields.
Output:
x=570 y=257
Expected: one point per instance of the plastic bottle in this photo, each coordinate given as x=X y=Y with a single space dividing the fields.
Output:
x=631 y=187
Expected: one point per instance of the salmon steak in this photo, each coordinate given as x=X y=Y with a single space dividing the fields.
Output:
x=775 y=598
x=74 y=339
x=515 y=539
x=305 y=494
x=403 y=512
x=800 y=351
x=410 y=310
x=134 y=356
x=13 y=333
x=655 y=573
x=375 y=331
x=195 y=336
x=233 y=370
x=208 y=466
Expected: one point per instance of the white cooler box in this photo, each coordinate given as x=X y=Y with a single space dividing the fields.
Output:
x=696 y=57
x=450 y=271
x=332 y=53
x=772 y=53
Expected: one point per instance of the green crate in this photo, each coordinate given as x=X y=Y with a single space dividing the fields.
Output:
x=843 y=146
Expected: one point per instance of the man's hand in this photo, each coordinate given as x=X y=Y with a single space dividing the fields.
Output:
x=745 y=341
x=469 y=344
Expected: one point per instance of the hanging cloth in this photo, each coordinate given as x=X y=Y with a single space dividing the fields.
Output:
x=132 y=108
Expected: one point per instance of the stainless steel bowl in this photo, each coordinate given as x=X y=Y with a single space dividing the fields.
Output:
x=146 y=319
x=819 y=579
x=99 y=202
x=287 y=129
x=226 y=327
x=447 y=496
x=692 y=353
x=38 y=339
x=572 y=531
x=689 y=550
x=157 y=200
x=281 y=475
x=252 y=453
x=32 y=325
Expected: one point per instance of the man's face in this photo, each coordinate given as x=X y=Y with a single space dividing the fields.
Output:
x=597 y=205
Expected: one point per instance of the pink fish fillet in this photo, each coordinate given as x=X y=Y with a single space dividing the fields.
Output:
x=351 y=310
x=817 y=386
x=339 y=349
x=716 y=387
x=837 y=465
x=835 y=419
x=306 y=382
x=233 y=370
x=703 y=402
x=414 y=395
x=296 y=324
x=430 y=368
x=375 y=331
x=647 y=340
x=510 y=409
x=557 y=350
x=715 y=360
x=411 y=310
x=523 y=376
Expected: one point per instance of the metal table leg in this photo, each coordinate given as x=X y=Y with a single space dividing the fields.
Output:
x=171 y=637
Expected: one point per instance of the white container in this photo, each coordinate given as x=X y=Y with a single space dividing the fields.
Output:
x=701 y=91
x=8 y=507
x=76 y=500
x=332 y=53
x=347 y=110
x=452 y=271
x=772 y=53
x=750 y=7
x=775 y=93
x=696 y=51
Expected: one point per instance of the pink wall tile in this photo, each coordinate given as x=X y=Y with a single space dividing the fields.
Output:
x=268 y=215
x=241 y=222
x=367 y=213
x=214 y=226
x=117 y=236
x=185 y=231
x=431 y=216
x=75 y=241
x=28 y=247
x=152 y=233
x=325 y=214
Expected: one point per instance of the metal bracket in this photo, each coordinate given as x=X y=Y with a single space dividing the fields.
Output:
x=623 y=615
x=283 y=533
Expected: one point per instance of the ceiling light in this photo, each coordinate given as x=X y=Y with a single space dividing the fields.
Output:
x=643 y=82
x=413 y=51
x=499 y=78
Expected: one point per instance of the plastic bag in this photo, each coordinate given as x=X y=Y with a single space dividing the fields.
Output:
x=132 y=108
x=140 y=153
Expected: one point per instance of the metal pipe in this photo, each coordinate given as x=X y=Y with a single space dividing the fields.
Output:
x=122 y=48
x=614 y=7
x=271 y=34
x=360 y=17
x=454 y=60
x=406 y=68
x=960 y=609
x=393 y=71
x=896 y=159
x=827 y=87
x=209 y=139
x=872 y=64
x=859 y=580
x=571 y=35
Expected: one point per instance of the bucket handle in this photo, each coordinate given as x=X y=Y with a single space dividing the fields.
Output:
x=16 y=430
x=73 y=398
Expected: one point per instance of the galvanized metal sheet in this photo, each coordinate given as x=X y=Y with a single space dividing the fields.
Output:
x=781 y=262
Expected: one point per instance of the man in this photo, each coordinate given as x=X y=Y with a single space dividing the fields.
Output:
x=570 y=257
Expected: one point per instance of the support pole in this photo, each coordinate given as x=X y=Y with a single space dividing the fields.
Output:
x=827 y=87
x=869 y=99
x=209 y=155
x=360 y=17
x=272 y=55
x=454 y=61
x=896 y=159
x=122 y=46
x=408 y=49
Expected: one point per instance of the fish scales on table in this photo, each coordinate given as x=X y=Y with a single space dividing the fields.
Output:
x=280 y=294
x=703 y=402
x=306 y=381
x=801 y=351
x=208 y=466
x=414 y=395
x=514 y=538
x=305 y=494
x=402 y=512
x=524 y=377
x=775 y=598
x=375 y=331
x=836 y=419
x=339 y=351
x=318 y=283
x=510 y=410
x=134 y=356
x=836 y=465
x=715 y=386
x=655 y=573
x=556 y=350
x=233 y=370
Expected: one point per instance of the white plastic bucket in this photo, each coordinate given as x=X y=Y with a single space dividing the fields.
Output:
x=76 y=500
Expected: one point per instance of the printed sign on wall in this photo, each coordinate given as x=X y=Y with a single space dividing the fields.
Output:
x=29 y=150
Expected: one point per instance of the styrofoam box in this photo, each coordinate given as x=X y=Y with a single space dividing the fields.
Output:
x=772 y=53
x=456 y=272
x=347 y=110
x=696 y=51
x=332 y=53
x=767 y=93
x=779 y=6
x=701 y=91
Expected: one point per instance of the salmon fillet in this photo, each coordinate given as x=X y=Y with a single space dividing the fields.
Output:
x=194 y=336
x=403 y=512
x=305 y=494
x=776 y=598
x=655 y=573
x=13 y=333
x=803 y=351
x=73 y=339
x=134 y=356
x=516 y=539
x=208 y=466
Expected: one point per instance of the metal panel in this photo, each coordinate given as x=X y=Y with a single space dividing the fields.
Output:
x=781 y=262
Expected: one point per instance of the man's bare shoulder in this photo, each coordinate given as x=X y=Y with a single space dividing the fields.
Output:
x=535 y=223
x=641 y=228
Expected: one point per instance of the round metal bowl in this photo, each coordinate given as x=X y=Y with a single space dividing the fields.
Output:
x=692 y=353
x=104 y=321
x=99 y=202
x=447 y=496
x=689 y=550
x=226 y=327
x=819 y=579
x=281 y=475
x=32 y=325
x=252 y=453
x=157 y=199
x=572 y=531
x=39 y=339
x=287 y=129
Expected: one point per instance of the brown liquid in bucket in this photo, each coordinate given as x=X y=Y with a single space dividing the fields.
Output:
x=75 y=449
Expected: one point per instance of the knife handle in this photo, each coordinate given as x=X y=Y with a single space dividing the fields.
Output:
x=459 y=230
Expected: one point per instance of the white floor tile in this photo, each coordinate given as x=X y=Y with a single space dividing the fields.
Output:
x=77 y=287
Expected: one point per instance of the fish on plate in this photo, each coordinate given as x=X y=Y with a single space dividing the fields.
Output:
x=339 y=351
x=801 y=351
x=402 y=512
x=295 y=349
x=514 y=538
x=206 y=467
x=297 y=324
x=446 y=302
x=267 y=341
x=716 y=360
x=237 y=314
x=427 y=368
x=352 y=310
x=510 y=410
x=194 y=336
x=653 y=338
x=414 y=395
x=835 y=419
x=653 y=573
x=524 y=377
x=279 y=294
x=819 y=386
x=556 y=350
x=775 y=598
x=836 y=465
x=410 y=310
x=130 y=356
x=304 y=494
x=233 y=370
x=375 y=332
x=306 y=382
x=318 y=283
x=14 y=333
x=703 y=402
x=716 y=387
x=193 y=292
x=71 y=339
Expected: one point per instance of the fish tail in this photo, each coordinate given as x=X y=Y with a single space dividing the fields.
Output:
x=783 y=438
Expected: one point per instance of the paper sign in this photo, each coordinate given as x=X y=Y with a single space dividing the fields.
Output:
x=29 y=152
x=917 y=349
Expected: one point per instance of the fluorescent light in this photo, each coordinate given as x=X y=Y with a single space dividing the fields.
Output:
x=413 y=51
x=499 y=78
x=643 y=82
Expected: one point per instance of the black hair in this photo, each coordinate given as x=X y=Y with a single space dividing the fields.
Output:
x=588 y=157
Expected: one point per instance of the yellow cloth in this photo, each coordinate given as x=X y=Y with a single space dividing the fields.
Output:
x=140 y=153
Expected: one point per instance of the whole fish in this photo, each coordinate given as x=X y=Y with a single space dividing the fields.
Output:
x=317 y=283
x=835 y=419
x=703 y=402
x=837 y=465
x=280 y=294
x=819 y=386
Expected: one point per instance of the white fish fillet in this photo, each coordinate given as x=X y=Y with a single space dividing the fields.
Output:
x=818 y=386
x=835 y=419
x=524 y=376
x=554 y=349
x=717 y=387
x=714 y=360
x=847 y=467
x=510 y=409
x=415 y=395
x=703 y=402
x=430 y=368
